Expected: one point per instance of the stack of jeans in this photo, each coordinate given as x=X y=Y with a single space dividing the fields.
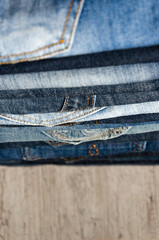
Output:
x=79 y=81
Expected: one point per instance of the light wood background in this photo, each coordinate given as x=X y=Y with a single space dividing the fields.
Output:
x=79 y=203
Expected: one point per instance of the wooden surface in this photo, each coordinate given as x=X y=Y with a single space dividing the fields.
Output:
x=79 y=203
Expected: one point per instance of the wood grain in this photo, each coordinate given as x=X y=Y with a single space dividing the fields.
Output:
x=79 y=203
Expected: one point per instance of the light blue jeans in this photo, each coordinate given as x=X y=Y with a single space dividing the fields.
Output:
x=81 y=77
x=75 y=134
x=31 y=30
x=104 y=25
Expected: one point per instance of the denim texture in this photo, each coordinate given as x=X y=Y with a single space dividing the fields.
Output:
x=110 y=75
x=121 y=25
x=88 y=113
x=79 y=109
x=76 y=134
x=119 y=153
x=19 y=102
x=146 y=137
x=109 y=24
x=64 y=152
x=102 y=59
x=140 y=118
x=124 y=110
x=37 y=29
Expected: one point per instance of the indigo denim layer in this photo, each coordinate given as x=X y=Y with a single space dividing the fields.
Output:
x=32 y=103
x=37 y=29
x=140 y=118
x=78 y=152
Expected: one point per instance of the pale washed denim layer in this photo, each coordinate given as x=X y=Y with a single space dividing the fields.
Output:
x=112 y=75
x=75 y=134
x=34 y=29
x=106 y=25
x=64 y=152
x=90 y=114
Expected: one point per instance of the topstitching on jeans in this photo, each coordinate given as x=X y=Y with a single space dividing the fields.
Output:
x=26 y=158
x=52 y=118
x=59 y=42
x=74 y=158
x=115 y=131
x=90 y=104
x=21 y=121
x=65 y=106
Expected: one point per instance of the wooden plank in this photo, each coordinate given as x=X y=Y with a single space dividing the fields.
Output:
x=79 y=203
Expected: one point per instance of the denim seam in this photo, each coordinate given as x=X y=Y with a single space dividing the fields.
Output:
x=65 y=105
x=52 y=118
x=24 y=155
x=40 y=124
x=104 y=134
x=50 y=45
x=141 y=147
x=56 y=144
x=60 y=41
x=32 y=157
x=86 y=107
x=136 y=144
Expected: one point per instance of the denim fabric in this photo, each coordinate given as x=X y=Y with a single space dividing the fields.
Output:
x=82 y=77
x=32 y=102
x=74 y=134
x=62 y=153
x=132 y=152
x=146 y=137
x=107 y=25
x=102 y=59
x=123 y=110
x=114 y=25
x=87 y=114
x=140 y=118
x=36 y=29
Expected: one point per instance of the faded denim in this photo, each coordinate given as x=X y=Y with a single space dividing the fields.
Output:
x=120 y=23
x=116 y=25
x=34 y=29
x=112 y=75
x=75 y=134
